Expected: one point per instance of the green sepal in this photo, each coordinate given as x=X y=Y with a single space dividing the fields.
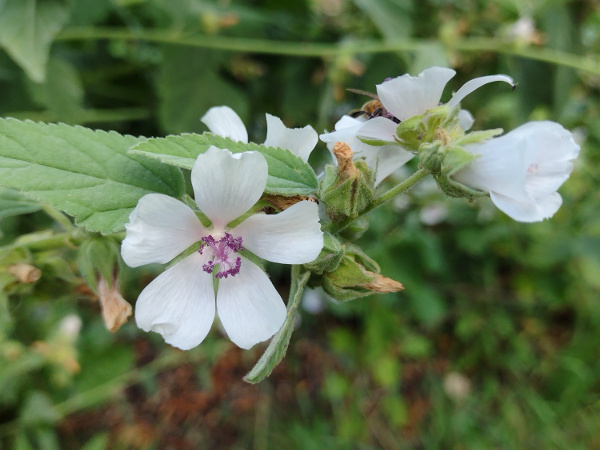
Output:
x=348 y=197
x=356 y=228
x=347 y=281
x=377 y=142
x=330 y=256
x=97 y=256
x=478 y=136
x=456 y=158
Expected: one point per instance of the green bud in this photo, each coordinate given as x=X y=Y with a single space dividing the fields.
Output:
x=356 y=276
x=347 y=189
x=330 y=256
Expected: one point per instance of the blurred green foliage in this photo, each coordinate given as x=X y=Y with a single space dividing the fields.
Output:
x=492 y=344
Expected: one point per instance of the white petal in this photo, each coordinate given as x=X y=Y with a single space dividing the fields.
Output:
x=407 y=96
x=227 y=185
x=379 y=128
x=300 y=141
x=160 y=228
x=474 y=84
x=224 y=121
x=345 y=131
x=542 y=208
x=179 y=304
x=249 y=307
x=465 y=119
x=523 y=169
x=389 y=159
x=293 y=236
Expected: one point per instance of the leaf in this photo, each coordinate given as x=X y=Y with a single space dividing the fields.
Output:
x=288 y=174
x=189 y=84
x=61 y=93
x=27 y=28
x=13 y=204
x=278 y=346
x=87 y=174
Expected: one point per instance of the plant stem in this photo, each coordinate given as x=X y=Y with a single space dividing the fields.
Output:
x=586 y=63
x=387 y=196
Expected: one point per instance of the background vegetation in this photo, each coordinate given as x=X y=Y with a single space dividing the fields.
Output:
x=493 y=343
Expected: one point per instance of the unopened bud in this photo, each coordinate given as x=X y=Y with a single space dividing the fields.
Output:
x=115 y=310
x=25 y=273
x=347 y=189
x=343 y=153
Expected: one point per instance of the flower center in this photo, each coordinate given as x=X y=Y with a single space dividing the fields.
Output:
x=223 y=254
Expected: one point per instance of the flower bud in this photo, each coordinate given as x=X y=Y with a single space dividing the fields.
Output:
x=25 y=273
x=352 y=279
x=347 y=189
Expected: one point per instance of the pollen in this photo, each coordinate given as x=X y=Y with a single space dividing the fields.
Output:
x=223 y=255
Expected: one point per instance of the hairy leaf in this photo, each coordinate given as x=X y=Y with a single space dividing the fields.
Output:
x=87 y=174
x=288 y=174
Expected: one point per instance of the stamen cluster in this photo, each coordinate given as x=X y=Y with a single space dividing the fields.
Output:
x=222 y=257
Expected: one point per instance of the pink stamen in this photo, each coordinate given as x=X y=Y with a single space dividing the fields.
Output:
x=222 y=251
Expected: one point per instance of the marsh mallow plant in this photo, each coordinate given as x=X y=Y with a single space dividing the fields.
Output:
x=255 y=203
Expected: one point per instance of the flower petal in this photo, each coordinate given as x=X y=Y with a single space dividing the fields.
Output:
x=160 y=228
x=389 y=159
x=379 y=128
x=300 y=141
x=465 y=119
x=224 y=121
x=227 y=185
x=293 y=236
x=408 y=96
x=179 y=304
x=542 y=208
x=249 y=307
x=474 y=84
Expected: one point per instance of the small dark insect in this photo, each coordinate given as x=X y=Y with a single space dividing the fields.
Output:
x=371 y=109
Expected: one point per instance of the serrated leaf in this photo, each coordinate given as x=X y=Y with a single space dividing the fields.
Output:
x=288 y=174
x=13 y=203
x=85 y=173
x=27 y=28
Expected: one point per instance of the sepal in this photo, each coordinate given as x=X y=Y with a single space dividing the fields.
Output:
x=330 y=256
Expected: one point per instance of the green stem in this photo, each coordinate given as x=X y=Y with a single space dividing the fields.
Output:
x=586 y=63
x=384 y=198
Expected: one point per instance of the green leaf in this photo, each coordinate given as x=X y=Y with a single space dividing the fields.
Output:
x=187 y=94
x=288 y=174
x=13 y=203
x=61 y=93
x=27 y=28
x=279 y=344
x=87 y=174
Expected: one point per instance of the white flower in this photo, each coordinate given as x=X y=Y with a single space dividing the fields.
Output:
x=180 y=303
x=523 y=169
x=223 y=121
x=403 y=97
